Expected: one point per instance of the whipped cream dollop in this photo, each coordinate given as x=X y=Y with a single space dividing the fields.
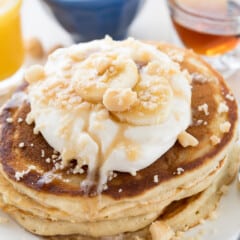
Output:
x=110 y=105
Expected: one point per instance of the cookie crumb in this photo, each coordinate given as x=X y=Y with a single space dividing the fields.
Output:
x=229 y=97
x=20 y=175
x=160 y=230
x=20 y=120
x=203 y=108
x=186 y=139
x=199 y=122
x=223 y=108
x=21 y=145
x=155 y=179
x=34 y=47
x=42 y=153
x=9 y=120
x=225 y=127
x=215 y=140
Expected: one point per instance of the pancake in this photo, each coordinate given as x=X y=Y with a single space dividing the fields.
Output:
x=53 y=197
x=180 y=215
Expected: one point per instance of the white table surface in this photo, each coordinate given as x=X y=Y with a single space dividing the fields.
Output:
x=152 y=23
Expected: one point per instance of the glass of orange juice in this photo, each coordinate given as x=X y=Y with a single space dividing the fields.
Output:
x=11 y=42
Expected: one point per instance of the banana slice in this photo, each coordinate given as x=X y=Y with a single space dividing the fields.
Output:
x=154 y=101
x=135 y=95
x=119 y=99
x=98 y=73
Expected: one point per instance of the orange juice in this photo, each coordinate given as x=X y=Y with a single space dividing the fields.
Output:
x=11 y=43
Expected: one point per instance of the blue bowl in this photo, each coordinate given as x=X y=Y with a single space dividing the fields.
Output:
x=86 y=20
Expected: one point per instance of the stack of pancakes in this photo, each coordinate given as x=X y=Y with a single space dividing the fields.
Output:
x=169 y=196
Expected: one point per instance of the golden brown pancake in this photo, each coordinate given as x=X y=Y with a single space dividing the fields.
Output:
x=130 y=202
x=15 y=159
x=180 y=215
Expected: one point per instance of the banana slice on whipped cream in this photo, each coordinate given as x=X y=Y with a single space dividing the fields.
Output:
x=111 y=105
x=138 y=95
